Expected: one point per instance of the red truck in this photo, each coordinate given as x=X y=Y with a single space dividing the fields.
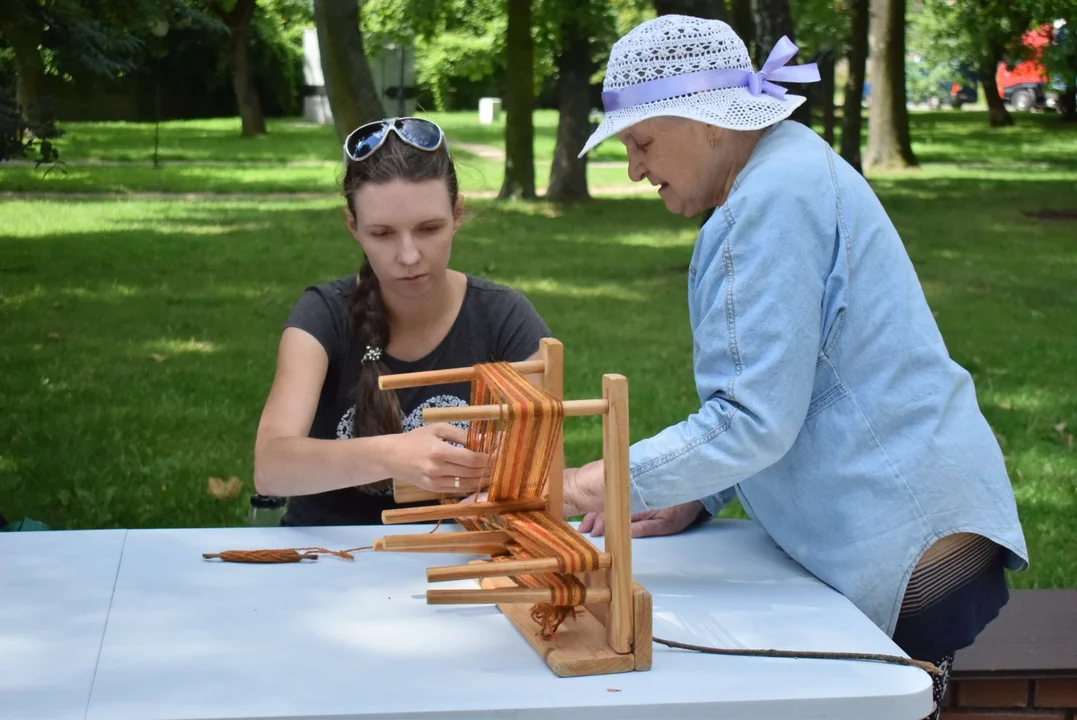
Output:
x=1027 y=85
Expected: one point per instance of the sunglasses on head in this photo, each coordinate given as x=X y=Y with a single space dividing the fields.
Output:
x=417 y=132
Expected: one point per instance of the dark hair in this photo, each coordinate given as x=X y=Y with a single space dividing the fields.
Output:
x=377 y=412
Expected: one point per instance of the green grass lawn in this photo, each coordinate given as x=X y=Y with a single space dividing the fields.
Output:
x=209 y=156
x=476 y=176
x=217 y=139
x=137 y=337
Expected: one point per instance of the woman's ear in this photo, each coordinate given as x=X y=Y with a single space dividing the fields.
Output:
x=352 y=222
x=714 y=135
x=458 y=213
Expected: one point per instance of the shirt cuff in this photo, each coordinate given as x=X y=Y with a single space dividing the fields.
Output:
x=713 y=504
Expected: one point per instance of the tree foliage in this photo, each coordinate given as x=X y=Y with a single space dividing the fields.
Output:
x=953 y=36
x=821 y=25
x=65 y=38
x=1060 y=56
x=461 y=44
x=943 y=31
x=22 y=130
x=79 y=36
x=456 y=41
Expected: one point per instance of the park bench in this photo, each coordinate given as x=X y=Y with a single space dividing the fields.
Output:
x=1024 y=665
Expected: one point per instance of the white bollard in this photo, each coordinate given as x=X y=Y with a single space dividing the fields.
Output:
x=489 y=110
x=315 y=101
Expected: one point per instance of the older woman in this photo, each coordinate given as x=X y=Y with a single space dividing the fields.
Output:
x=828 y=403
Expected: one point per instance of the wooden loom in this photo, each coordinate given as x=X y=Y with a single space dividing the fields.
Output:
x=588 y=615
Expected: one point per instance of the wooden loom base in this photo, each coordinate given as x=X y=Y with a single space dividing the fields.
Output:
x=579 y=646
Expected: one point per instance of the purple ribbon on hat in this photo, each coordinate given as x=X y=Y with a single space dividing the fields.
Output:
x=773 y=70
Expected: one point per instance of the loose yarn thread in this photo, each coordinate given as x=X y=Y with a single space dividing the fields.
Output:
x=288 y=555
x=927 y=667
x=281 y=555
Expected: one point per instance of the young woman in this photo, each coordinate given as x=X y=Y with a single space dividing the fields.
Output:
x=329 y=439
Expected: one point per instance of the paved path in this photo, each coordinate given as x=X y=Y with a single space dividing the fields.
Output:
x=96 y=162
x=485 y=152
x=256 y=197
x=253 y=196
x=495 y=154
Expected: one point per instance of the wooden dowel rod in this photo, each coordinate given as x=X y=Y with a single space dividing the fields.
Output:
x=615 y=455
x=453 y=375
x=488 y=549
x=572 y=408
x=501 y=568
x=505 y=595
x=423 y=541
x=456 y=510
x=445 y=546
x=553 y=382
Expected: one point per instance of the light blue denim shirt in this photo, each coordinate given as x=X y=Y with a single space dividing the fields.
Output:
x=829 y=403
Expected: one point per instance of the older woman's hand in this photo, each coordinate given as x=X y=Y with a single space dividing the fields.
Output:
x=668 y=521
x=584 y=489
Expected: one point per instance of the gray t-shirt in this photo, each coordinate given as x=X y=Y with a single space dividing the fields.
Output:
x=495 y=323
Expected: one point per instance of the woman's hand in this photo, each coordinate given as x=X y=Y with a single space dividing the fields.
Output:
x=584 y=489
x=668 y=521
x=424 y=457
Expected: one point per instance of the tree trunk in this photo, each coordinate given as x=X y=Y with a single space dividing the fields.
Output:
x=997 y=114
x=568 y=173
x=250 y=107
x=706 y=9
x=1068 y=99
x=852 y=118
x=1068 y=102
x=772 y=20
x=349 y=83
x=889 y=144
x=519 y=102
x=826 y=94
x=29 y=68
x=238 y=21
x=740 y=18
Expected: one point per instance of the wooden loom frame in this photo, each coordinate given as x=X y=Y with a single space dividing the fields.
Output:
x=612 y=631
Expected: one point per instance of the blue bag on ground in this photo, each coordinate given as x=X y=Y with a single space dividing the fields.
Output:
x=25 y=525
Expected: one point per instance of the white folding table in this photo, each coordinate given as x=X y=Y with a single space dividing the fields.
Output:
x=189 y=638
x=55 y=590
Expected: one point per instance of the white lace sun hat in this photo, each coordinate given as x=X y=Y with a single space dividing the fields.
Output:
x=697 y=69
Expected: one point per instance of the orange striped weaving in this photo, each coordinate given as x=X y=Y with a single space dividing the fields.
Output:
x=525 y=441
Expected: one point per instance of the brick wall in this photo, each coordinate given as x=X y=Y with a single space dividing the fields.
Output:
x=1011 y=699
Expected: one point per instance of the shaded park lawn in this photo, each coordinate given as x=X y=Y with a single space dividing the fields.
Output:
x=288 y=140
x=137 y=338
x=476 y=176
x=208 y=156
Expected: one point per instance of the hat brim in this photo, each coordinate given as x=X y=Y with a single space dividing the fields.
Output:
x=730 y=108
